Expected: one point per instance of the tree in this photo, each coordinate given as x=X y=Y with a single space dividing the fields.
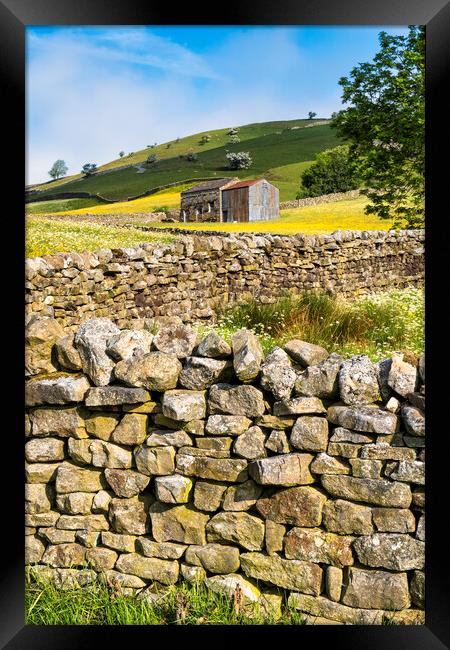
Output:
x=151 y=159
x=191 y=156
x=233 y=130
x=59 y=169
x=234 y=139
x=384 y=125
x=332 y=171
x=121 y=154
x=311 y=115
x=88 y=169
x=205 y=138
x=240 y=160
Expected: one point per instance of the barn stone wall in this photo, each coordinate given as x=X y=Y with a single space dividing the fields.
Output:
x=297 y=478
x=196 y=274
x=201 y=206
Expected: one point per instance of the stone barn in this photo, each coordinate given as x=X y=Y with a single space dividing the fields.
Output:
x=228 y=200
x=203 y=202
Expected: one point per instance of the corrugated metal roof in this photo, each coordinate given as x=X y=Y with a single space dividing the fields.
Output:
x=209 y=185
x=238 y=184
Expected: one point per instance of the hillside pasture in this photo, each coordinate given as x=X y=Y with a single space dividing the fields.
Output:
x=152 y=203
x=272 y=146
x=62 y=205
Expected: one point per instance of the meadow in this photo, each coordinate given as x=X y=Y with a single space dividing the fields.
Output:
x=45 y=236
x=311 y=220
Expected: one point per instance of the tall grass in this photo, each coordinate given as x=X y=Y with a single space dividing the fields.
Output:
x=376 y=325
x=181 y=604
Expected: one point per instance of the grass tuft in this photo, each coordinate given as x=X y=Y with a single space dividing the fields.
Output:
x=181 y=604
x=375 y=325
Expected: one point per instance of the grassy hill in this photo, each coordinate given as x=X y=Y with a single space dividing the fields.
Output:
x=280 y=151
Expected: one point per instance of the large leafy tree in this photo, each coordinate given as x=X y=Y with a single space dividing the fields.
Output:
x=384 y=125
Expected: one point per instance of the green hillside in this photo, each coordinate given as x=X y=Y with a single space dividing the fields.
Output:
x=279 y=152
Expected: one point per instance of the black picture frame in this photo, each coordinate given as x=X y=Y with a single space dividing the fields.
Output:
x=15 y=15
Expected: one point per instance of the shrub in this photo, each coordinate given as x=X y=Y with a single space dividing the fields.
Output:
x=191 y=156
x=240 y=160
x=234 y=139
x=151 y=159
x=233 y=131
x=88 y=169
x=332 y=171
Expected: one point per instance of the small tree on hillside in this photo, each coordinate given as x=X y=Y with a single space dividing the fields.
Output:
x=240 y=160
x=152 y=159
x=233 y=130
x=121 y=154
x=59 y=169
x=88 y=169
x=311 y=115
x=205 y=138
x=332 y=171
x=234 y=139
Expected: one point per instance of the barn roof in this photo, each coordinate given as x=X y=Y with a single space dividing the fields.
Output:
x=209 y=185
x=239 y=184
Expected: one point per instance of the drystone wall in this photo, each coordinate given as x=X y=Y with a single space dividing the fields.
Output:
x=196 y=274
x=297 y=478
x=317 y=200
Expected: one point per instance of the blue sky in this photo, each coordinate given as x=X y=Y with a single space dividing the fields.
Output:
x=92 y=91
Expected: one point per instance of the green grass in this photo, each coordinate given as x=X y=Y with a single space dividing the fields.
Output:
x=97 y=604
x=44 y=236
x=63 y=205
x=376 y=325
x=272 y=145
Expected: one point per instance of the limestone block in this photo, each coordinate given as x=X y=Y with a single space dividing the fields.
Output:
x=236 y=527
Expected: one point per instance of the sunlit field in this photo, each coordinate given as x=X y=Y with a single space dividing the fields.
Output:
x=316 y=219
x=48 y=236
x=43 y=236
